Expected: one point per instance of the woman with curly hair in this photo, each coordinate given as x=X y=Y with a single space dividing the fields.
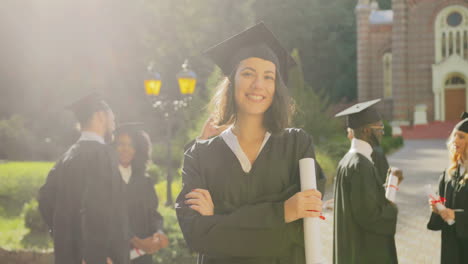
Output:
x=454 y=191
x=146 y=224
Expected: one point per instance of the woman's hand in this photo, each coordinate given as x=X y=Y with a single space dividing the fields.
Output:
x=447 y=214
x=162 y=239
x=433 y=207
x=200 y=201
x=211 y=130
x=303 y=204
x=148 y=245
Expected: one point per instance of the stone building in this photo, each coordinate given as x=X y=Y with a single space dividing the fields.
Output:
x=415 y=57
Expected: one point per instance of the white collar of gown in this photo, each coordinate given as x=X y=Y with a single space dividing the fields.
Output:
x=231 y=140
x=126 y=173
x=361 y=147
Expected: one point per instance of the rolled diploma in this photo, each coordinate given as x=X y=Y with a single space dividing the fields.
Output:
x=430 y=193
x=313 y=246
x=391 y=190
x=136 y=253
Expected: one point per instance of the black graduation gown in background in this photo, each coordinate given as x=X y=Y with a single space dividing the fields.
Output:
x=248 y=225
x=364 y=220
x=145 y=220
x=454 y=237
x=380 y=163
x=83 y=203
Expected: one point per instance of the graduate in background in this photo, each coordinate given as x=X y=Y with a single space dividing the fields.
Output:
x=146 y=223
x=241 y=199
x=378 y=155
x=83 y=200
x=365 y=221
x=453 y=187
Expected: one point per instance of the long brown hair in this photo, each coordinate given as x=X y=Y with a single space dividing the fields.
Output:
x=277 y=117
x=455 y=158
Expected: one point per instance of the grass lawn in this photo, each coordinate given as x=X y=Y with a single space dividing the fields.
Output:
x=12 y=231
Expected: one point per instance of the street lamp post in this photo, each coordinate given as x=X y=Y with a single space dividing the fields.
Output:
x=187 y=80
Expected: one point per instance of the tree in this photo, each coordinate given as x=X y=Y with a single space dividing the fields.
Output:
x=324 y=32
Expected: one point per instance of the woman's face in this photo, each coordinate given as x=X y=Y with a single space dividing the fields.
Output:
x=459 y=141
x=125 y=150
x=254 y=86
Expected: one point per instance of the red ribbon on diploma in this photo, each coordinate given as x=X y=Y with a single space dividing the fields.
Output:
x=393 y=186
x=138 y=252
x=441 y=200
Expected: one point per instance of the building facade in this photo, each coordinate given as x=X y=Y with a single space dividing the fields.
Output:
x=415 y=57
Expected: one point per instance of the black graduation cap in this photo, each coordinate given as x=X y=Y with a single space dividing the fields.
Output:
x=361 y=114
x=257 y=41
x=84 y=107
x=463 y=125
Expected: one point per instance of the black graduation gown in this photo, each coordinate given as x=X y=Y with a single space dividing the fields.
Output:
x=145 y=220
x=364 y=220
x=83 y=203
x=380 y=163
x=248 y=225
x=454 y=237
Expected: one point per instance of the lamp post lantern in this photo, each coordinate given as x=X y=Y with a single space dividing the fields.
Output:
x=187 y=80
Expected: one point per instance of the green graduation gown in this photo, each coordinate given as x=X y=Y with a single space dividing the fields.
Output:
x=83 y=203
x=248 y=225
x=364 y=220
x=455 y=237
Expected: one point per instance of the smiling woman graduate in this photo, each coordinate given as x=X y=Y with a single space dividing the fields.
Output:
x=453 y=187
x=240 y=201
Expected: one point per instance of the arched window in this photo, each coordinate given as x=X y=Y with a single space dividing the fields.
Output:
x=455 y=81
x=387 y=75
x=451 y=29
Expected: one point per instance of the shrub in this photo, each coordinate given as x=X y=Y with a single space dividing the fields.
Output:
x=391 y=143
x=177 y=252
x=20 y=183
x=38 y=235
x=32 y=217
x=15 y=139
x=156 y=173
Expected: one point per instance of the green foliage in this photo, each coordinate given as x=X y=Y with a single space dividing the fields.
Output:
x=38 y=236
x=20 y=183
x=177 y=252
x=32 y=217
x=12 y=231
x=385 y=4
x=156 y=173
x=324 y=32
x=312 y=108
x=15 y=139
x=328 y=166
x=391 y=143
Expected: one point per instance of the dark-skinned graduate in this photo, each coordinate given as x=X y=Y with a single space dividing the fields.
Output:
x=364 y=220
x=83 y=200
x=241 y=200
x=378 y=155
x=134 y=149
x=454 y=190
